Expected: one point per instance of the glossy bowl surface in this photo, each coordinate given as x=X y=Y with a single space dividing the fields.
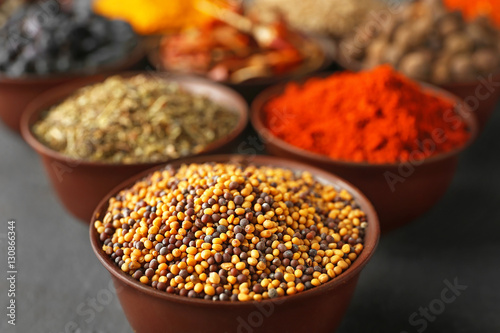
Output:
x=80 y=184
x=400 y=192
x=318 y=310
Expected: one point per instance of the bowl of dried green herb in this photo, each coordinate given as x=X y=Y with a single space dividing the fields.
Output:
x=93 y=135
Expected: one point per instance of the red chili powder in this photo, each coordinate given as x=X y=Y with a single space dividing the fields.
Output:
x=376 y=116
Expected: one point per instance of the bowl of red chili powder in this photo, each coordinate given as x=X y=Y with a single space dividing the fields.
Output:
x=395 y=139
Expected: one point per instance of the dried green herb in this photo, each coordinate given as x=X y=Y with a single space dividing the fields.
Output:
x=133 y=120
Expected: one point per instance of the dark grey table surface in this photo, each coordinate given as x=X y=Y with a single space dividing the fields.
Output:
x=61 y=287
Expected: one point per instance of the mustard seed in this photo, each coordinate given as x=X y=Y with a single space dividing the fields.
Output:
x=223 y=232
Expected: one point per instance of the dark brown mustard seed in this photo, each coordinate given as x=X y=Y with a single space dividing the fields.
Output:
x=198 y=236
x=238 y=200
x=150 y=272
x=221 y=228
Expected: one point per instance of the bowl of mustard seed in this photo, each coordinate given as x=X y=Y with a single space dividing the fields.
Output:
x=234 y=243
x=92 y=137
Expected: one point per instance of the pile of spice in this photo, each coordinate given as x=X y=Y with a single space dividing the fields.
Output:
x=377 y=116
x=134 y=120
x=329 y=17
x=237 y=48
x=476 y=8
x=227 y=232
x=45 y=38
x=427 y=42
x=154 y=16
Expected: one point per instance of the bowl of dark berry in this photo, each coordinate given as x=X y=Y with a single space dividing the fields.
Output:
x=246 y=243
x=45 y=44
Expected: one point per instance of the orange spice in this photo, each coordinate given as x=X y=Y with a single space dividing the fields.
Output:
x=376 y=116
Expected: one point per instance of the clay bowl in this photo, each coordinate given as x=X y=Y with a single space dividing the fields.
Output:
x=400 y=192
x=318 y=310
x=481 y=95
x=17 y=93
x=81 y=184
x=251 y=88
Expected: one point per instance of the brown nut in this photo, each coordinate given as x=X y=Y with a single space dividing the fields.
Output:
x=450 y=23
x=375 y=52
x=485 y=60
x=422 y=30
x=417 y=65
x=462 y=69
x=436 y=7
x=458 y=43
x=441 y=70
x=393 y=55
x=403 y=38
x=482 y=35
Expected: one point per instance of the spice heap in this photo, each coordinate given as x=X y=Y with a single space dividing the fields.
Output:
x=473 y=9
x=45 y=38
x=226 y=232
x=332 y=17
x=154 y=16
x=426 y=42
x=133 y=120
x=237 y=49
x=377 y=116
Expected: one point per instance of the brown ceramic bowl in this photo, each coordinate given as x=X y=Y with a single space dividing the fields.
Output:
x=81 y=184
x=481 y=95
x=251 y=88
x=17 y=93
x=419 y=187
x=472 y=93
x=317 y=310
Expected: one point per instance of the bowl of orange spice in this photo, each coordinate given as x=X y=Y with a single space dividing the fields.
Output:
x=394 y=138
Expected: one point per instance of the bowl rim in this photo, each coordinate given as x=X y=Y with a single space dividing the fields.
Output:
x=322 y=43
x=54 y=96
x=369 y=246
x=257 y=109
x=136 y=54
